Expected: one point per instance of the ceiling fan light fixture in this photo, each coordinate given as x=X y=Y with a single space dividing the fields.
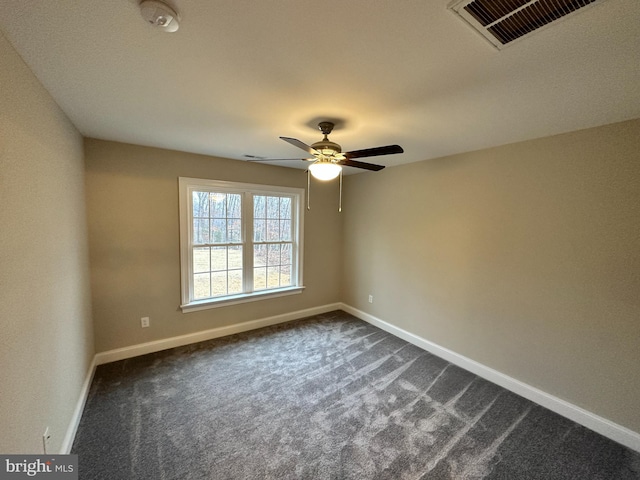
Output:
x=323 y=170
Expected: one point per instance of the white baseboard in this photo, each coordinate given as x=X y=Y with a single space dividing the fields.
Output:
x=166 y=343
x=69 y=437
x=598 y=424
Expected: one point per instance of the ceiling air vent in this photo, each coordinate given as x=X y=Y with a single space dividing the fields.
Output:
x=503 y=21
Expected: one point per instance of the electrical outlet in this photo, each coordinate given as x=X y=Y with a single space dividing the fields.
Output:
x=46 y=438
x=145 y=322
x=370 y=298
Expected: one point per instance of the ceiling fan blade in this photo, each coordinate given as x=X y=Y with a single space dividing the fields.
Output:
x=297 y=143
x=374 y=152
x=356 y=164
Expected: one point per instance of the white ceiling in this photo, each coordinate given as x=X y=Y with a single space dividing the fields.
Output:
x=239 y=74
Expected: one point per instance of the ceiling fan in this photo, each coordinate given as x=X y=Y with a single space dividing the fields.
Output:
x=328 y=158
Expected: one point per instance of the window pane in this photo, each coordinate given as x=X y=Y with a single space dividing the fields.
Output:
x=201 y=286
x=259 y=255
x=201 y=260
x=218 y=205
x=234 y=205
x=285 y=230
x=259 y=278
x=218 y=231
x=218 y=258
x=234 y=233
x=200 y=204
x=259 y=231
x=285 y=256
x=200 y=231
x=234 y=257
x=285 y=275
x=235 y=281
x=273 y=230
x=273 y=207
x=273 y=255
x=285 y=207
x=259 y=206
x=218 y=283
x=273 y=277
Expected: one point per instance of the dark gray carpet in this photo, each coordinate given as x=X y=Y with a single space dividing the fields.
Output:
x=330 y=397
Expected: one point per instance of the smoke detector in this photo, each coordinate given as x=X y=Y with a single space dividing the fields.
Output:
x=160 y=15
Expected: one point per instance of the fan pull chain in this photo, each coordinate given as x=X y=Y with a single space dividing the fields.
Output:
x=308 y=190
x=340 y=204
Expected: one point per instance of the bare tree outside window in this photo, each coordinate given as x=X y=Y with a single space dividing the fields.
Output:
x=272 y=242
x=217 y=253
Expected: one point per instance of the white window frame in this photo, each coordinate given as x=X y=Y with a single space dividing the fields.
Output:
x=186 y=187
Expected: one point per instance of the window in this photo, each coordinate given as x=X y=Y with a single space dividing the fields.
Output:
x=238 y=242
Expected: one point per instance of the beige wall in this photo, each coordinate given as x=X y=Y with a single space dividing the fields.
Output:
x=525 y=258
x=132 y=202
x=46 y=338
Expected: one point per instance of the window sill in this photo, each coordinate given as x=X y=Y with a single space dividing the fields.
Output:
x=237 y=299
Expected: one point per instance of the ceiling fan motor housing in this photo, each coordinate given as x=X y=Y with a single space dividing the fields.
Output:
x=325 y=146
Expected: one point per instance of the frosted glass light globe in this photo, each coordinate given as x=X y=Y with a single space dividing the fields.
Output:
x=325 y=170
